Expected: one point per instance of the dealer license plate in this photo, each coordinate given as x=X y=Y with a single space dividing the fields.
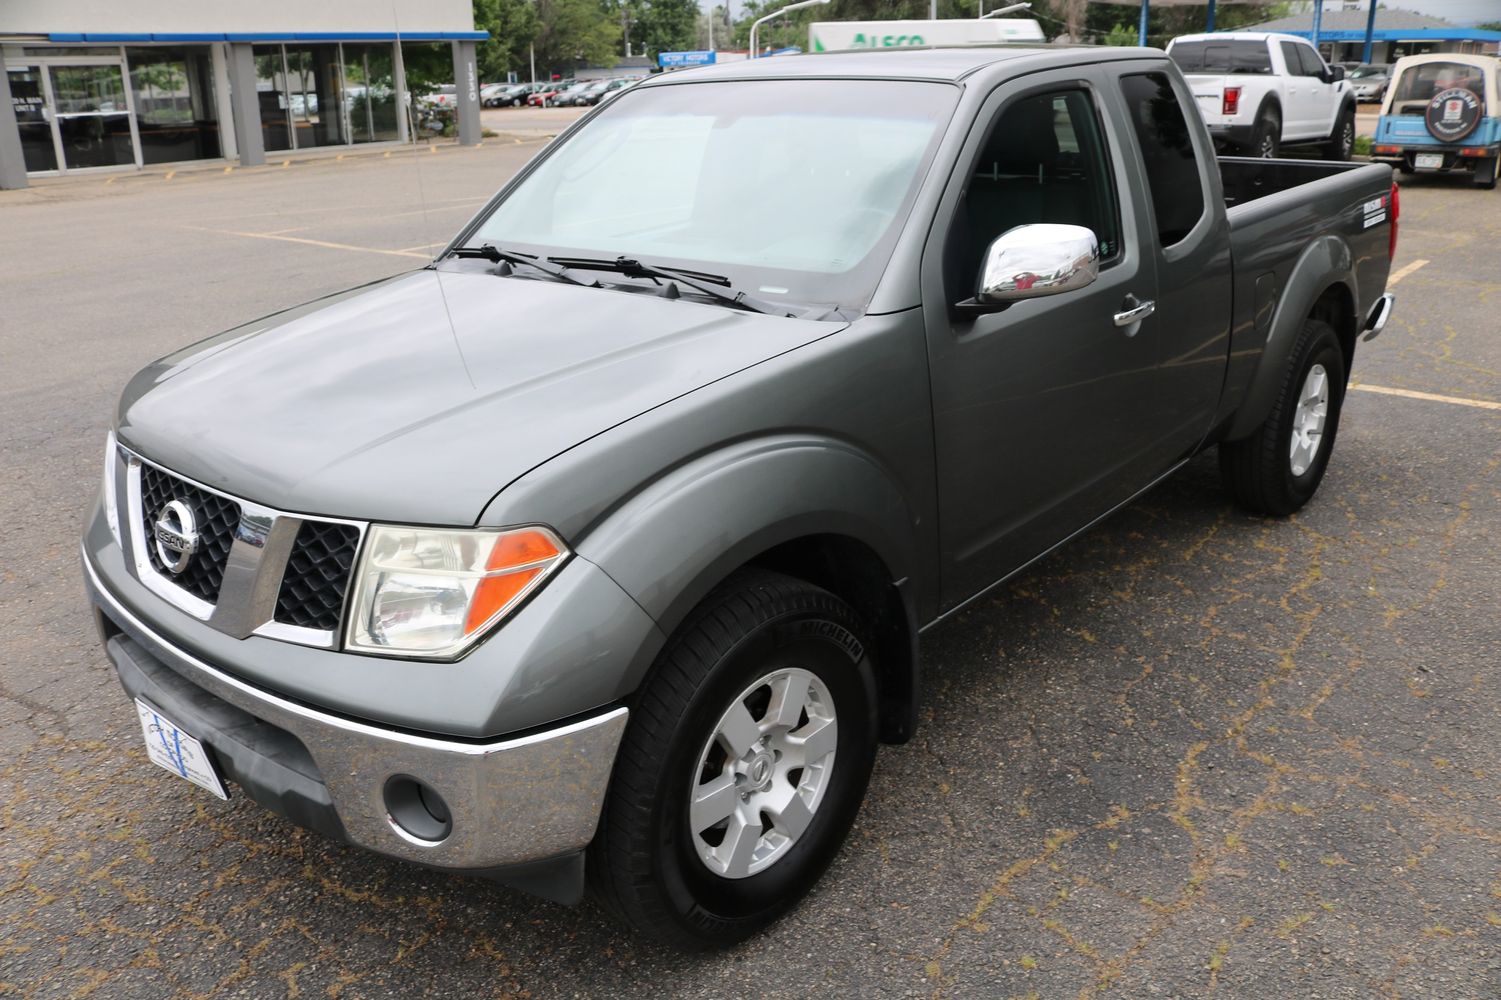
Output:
x=173 y=749
x=1429 y=160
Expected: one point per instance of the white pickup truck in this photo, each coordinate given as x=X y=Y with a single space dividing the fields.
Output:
x=1259 y=92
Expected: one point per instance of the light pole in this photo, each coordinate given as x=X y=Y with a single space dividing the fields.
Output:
x=1010 y=9
x=754 y=54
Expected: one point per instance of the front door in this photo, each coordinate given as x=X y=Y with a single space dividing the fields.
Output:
x=91 y=113
x=1042 y=411
x=28 y=95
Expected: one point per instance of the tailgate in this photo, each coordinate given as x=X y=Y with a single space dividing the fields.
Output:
x=1209 y=93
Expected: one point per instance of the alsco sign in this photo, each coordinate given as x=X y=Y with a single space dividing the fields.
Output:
x=831 y=36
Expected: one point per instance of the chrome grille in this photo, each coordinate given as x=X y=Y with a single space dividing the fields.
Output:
x=317 y=575
x=255 y=570
x=216 y=517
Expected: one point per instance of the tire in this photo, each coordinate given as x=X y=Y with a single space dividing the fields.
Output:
x=1266 y=141
x=1341 y=144
x=1264 y=473
x=647 y=864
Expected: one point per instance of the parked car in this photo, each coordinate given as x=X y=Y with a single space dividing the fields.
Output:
x=512 y=95
x=543 y=96
x=567 y=97
x=610 y=87
x=443 y=96
x=1442 y=114
x=1368 y=81
x=602 y=547
x=490 y=94
x=1259 y=92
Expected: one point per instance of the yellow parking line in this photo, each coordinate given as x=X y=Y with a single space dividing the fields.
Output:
x=1403 y=272
x=170 y=174
x=312 y=243
x=1479 y=404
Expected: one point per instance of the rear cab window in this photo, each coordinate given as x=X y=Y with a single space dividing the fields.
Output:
x=1221 y=57
x=1174 y=175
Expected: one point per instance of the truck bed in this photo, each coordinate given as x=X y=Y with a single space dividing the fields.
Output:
x=1279 y=212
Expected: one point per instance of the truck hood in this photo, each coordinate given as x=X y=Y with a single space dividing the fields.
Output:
x=418 y=398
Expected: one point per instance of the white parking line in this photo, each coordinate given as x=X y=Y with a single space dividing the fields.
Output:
x=1479 y=404
x=311 y=243
x=1404 y=271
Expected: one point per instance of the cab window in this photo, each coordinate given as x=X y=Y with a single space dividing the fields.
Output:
x=1044 y=160
x=1173 y=172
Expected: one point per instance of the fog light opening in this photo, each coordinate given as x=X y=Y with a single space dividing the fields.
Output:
x=416 y=811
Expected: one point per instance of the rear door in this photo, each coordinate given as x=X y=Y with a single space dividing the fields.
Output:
x=1188 y=240
x=1042 y=411
x=1301 y=101
x=1323 y=96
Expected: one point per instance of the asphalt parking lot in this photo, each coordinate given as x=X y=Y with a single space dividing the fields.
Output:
x=1195 y=754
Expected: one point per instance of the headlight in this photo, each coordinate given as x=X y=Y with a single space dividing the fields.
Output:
x=432 y=592
x=107 y=491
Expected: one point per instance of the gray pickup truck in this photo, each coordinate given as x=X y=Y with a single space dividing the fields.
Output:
x=598 y=551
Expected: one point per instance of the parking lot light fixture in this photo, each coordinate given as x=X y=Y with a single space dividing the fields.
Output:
x=753 y=54
x=1008 y=9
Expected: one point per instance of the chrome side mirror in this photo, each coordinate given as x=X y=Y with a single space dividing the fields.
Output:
x=1044 y=259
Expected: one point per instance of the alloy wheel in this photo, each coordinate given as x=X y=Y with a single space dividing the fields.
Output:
x=1308 y=420
x=763 y=772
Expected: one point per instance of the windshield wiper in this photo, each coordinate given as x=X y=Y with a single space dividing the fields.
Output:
x=696 y=280
x=493 y=253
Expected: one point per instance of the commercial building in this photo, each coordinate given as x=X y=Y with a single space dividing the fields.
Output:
x=90 y=85
x=1397 y=33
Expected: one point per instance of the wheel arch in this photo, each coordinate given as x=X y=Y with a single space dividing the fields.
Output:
x=1321 y=285
x=815 y=508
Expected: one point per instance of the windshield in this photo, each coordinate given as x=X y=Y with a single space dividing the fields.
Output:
x=790 y=189
x=1426 y=80
x=1243 y=56
x=1361 y=72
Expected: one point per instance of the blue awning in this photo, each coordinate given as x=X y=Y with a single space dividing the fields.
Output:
x=269 y=36
x=1401 y=34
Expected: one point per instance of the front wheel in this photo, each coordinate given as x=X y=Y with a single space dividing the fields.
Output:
x=745 y=760
x=1278 y=468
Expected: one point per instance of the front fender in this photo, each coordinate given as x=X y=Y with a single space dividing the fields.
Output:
x=1325 y=262
x=673 y=541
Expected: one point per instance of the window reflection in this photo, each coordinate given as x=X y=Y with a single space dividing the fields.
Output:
x=370 y=92
x=176 y=117
x=315 y=86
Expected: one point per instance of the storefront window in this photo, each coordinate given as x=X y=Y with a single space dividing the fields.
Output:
x=93 y=118
x=30 y=103
x=315 y=95
x=370 y=92
x=272 y=92
x=176 y=116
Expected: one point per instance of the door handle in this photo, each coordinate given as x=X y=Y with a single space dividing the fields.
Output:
x=1134 y=314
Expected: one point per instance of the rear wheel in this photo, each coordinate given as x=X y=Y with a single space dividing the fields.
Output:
x=1341 y=144
x=1266 y=140
x=743 y=765
x=1278 y=468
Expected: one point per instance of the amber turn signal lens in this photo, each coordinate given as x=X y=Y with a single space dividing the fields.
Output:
x=493 y=594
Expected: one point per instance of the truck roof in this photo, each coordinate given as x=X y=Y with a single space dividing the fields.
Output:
x=1239 y=36
x=929 y=63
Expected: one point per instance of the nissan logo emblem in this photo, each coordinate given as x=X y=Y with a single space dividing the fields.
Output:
x=176 y=535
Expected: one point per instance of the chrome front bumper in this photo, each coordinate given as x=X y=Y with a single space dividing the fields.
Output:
x=511 y=801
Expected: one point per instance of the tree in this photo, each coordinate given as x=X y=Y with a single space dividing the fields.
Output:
x=575 y=33
x=663 y=25
x=513 y=26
